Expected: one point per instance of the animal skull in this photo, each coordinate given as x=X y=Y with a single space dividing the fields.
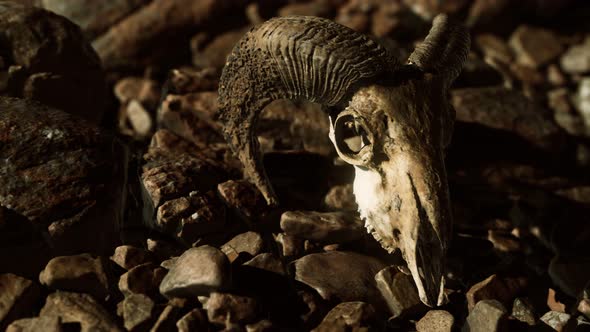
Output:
x=399 y=114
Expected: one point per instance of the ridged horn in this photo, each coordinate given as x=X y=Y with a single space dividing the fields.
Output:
x=286 y=58
x=444 y=50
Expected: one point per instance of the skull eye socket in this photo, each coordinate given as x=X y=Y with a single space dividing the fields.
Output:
x=353 y=139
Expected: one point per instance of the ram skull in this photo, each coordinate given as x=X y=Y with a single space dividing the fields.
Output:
x=399 y=113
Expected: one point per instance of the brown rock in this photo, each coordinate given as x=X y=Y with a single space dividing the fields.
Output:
x=194 y=320
x=223 y=308
x=249 y=242
x=198 y=271
x=576 y=60
x=436 y=321
x=128 y=257
x=584 y=307
x=214 y=54
x=356 y=276
x=429 y=9
x=494 y=47
x=243 y=197
x=162 y=249
x=261 y=326
x=57 y=66
x=46 y=324
x=79 y=308
x=141 y=279
x=494 y=287
x=535 y=46
x=82 y=273
x=555 y=76
x=348 y=316
x=330 y=227
x=290 y=246
x=17 y=298
x=189 y=79
x=487 y=315
x=169 y=316
x=341 y=197
x=399 y=291
x=137 y=312
x=268 y=262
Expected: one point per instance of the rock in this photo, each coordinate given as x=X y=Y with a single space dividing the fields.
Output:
x=144 y=90
x=526 y=74
x=169 y=316
x=223 y=308
x=128 y=257
x=142 y=279
x=242 y=197
x=348 y=316
x=436 y=321
x=584 y=307
x=582 y=100
x=504 y=242
x=82 y=273
x=553 y=303
x=494 y=47
x=555 y=76
x=162 y=249
x=496 y=288
x=189 y=79
x=214 y=54
x=198 y=271
x=65 y=176
x=268 y=262
x=556 y=320
x=137 y=312
x=487 y=315
x=79 y=308
x=507 y=110
x=46 y=324
x=356 y=276
x=194 y=320
x=290 y=246
x=249 y=242
x=524 y=311
x=330 y=227
x=261 y=326
x=341 y=197
x=399 y=291
x=17 y=298
x=576 y=60
x=139 y=119
x=319 y=8
x=57 y=66
x=535 y=46
x=428 y=9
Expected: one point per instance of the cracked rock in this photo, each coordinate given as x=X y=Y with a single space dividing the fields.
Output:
x=198 y=271
x=330 y=227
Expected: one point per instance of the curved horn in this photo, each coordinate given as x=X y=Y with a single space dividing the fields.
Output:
x=444 y=50
x=290 y=57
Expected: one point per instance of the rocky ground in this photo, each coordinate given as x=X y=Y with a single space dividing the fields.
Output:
x=121 y=207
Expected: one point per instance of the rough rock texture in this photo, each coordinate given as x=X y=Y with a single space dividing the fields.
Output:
x=79 y=308
x=534 y=46
x=195 y=320
x=43 y=323
x=326 y=227
x=225 y=308
x=348 y=316
x=137 y=311
x=435 y=320
x=128 y=256
x=52 y=61
x=249 y=242
x=78 y=273
x=17 y=298
x=242 y=197
x=524 y=311
x=198 y=271
x=556 y=320
x=65 y=176
x=487 y=315
x=267 y=261
x=399 y=291
x=577 y=58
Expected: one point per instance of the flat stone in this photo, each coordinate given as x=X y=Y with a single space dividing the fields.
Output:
x=399 y=291
x=243 y=197
x=267 y=261
x=82 y=273
x=198 y=271
x=556 y=320
x=44 y=323
x=341 y=197
x=128 y=257
x=356 y=276
x=436 y=321
x=137 y=311
x=535 y=46
x=79 y=308
x=249 y=242
x=487 y=315
x=17 y=298
x=225 y=308
x=141 y=279
x=524 y=311
x=330 y=227
x=194 y=320
x=348 y=316
x=496 y=288
x=576 y=60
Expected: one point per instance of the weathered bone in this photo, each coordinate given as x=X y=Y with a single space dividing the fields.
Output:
x=404 y=113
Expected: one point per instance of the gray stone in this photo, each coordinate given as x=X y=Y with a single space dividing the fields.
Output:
x=524 y=311
x=225 y=308
x=129 y=257
x=556 y=320
x=535 y=46
x=249 y=242
x=341 y=197
x=198 y=271
x=17 y=298
x=194 y=320
x=268 y=262
x=576 y=60
x=137 y=311
x=436 y=321
x=487 y=315
x=82 y=273
x=79 y=308
x=344 y=276
x=44 y=323
x=348 y=316
x=326 y=227
x=399 y=291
